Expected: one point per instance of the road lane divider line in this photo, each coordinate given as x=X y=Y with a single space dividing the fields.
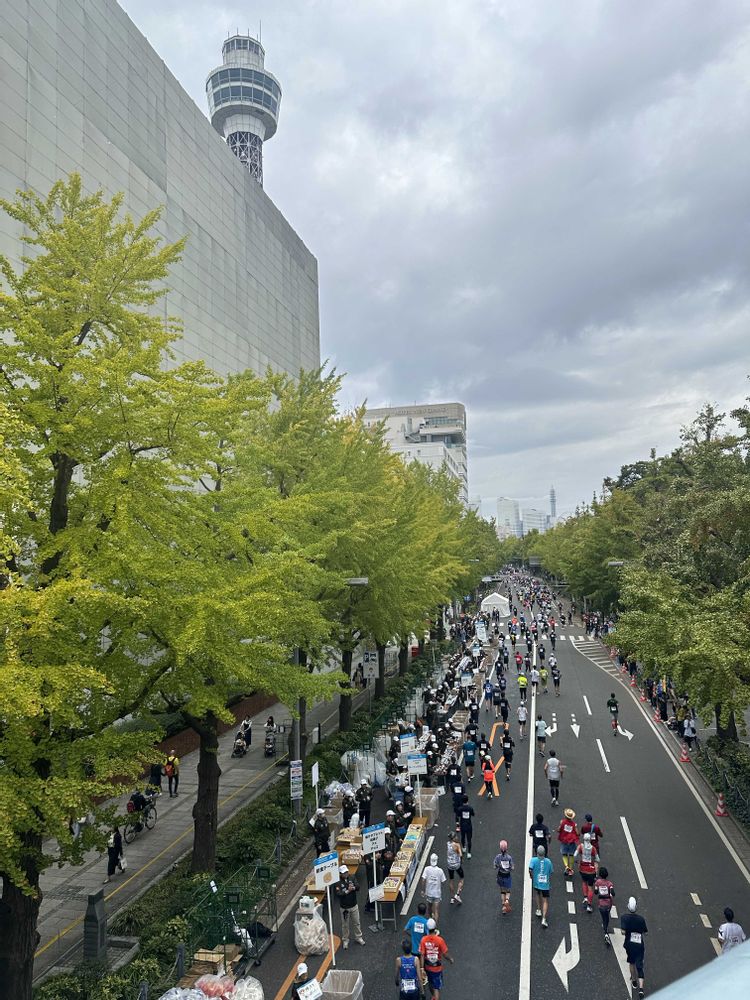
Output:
x=418 y=877
x=603 y=756
x=717 y=946
x=618 y=947
x=572 y=907
x=586 y=703
x=524 y=979
x=683 y=773
x=705 y=921
x=696 y=898
x=634 y=854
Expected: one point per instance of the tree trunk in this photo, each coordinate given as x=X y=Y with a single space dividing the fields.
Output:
x=206 y=808
x=302 y=707
x=58 y=512
x=403 y=656
x=380 y=681
x=728 y=732
x=19 y=937
x=345 y=702
x=440 y=623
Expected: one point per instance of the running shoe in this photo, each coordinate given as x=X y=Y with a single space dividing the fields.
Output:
x=607 y=939
x=544 y=922
x=539 y=913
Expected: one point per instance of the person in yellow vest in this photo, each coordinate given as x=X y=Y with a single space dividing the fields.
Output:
x=172 y=771
x=523 y=683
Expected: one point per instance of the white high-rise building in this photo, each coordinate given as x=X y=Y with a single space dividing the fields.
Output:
x=534 y=520
x=433 y=434
x=508 y=518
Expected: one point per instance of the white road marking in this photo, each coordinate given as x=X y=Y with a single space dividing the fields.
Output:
x=618 y=947
x=580 y=638
x=683 y=774
x=586 y=703
x=572 y=907
x=576 y=730
x=565 y=961
x=524 y=979
x=696 y=898
x=601 y=751
x=569 y=887
x=561 y=637
x=633 y=853
x=717 y=946
x=704 y=920
x=613 y=912
x=624 y=732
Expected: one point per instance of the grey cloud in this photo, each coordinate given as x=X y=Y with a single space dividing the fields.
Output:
x=540 y=209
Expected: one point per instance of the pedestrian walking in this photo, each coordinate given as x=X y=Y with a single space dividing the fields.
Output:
x=172 y=771
x=455 y=868
x=634 y=926
x=408 y=973
x=553 y=770
x=432 y=951
x=114 y=852
x=346 y=889
x=605 y=893
x=433 y=878
x=247 y=731
x=730 y=932
x=567 y=834
x=504 y=868
x=540 y=872
x=154 y=777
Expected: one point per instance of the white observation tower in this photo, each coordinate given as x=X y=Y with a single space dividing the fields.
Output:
x=243 y=101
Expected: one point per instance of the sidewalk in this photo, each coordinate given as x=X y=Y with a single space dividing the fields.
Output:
x=65 y=890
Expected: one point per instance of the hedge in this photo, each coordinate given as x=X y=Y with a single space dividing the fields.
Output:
x=157 y=917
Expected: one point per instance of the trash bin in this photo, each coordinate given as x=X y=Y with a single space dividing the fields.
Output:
x=343 y=984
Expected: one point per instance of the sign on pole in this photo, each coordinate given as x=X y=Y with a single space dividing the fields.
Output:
x=315 y=779
x=327 y=874
x=417 y=763
x=408 y=743
x=295 y=779
x=370 y=665
x=373 y=838
x=466 y=678
x=310 y=991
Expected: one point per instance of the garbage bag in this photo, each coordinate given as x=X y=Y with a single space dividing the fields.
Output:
x=310 y=933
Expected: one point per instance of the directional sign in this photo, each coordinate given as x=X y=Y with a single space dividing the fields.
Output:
x=370 y=665
x=295 y=779
x=326 y=870
x=417 y=763
x=565 y=961
x=373 y=838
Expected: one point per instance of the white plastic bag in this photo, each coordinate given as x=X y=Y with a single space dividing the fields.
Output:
x=248 y=989
x=310 y=934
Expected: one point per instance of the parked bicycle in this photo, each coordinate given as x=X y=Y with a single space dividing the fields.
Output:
x=141 y=813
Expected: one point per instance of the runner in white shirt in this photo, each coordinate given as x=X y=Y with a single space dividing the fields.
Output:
x=432 y=886
x=522 y=717
x=730 y=933
x=553 y=770
x=541 y=734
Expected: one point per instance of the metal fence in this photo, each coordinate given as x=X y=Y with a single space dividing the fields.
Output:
x=736 y=790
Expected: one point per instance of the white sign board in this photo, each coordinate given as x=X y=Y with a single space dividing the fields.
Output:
x=408 y=743
x=466 y=678
x=326 y=870
x=315 y=774
x=309 y=991
x=377 y=892
x=417 y=763
x=373 y=838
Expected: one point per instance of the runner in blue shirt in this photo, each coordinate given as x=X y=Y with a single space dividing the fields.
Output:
x=540 y=871
x=416 y=927
x=470 y=753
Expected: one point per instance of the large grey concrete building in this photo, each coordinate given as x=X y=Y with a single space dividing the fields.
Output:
x=84 y=91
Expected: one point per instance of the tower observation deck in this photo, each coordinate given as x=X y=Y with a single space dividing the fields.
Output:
x=244 y=100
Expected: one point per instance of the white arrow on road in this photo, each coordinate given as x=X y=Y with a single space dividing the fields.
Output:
x=576 y=729
x=624 y=732
x=552 y=729
x=565 y=961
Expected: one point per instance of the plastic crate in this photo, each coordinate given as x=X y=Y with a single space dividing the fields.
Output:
x=343 y=984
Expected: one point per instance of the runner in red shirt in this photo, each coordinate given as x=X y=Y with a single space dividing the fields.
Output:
x=605 y=893
x=432 y=950
x=597 y=834
x=588 y=864
x=567 y=834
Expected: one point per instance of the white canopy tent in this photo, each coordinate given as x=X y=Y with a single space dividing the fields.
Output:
x=497 y=601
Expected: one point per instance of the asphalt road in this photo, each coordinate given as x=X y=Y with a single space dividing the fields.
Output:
x=659 y=845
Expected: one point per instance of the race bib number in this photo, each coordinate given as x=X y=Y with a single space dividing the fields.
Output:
x=539 y=834
x=542 y=878
x=408 y=985
x=505 y=865
x=603 y=892
x=465 y=815
x=636 y=937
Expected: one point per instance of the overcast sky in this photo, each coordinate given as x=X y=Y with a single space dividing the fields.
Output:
x=539 y=209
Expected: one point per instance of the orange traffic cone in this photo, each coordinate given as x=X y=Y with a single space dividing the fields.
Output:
x=657 y=717
x=721 y=806
x=643 y=695
x=632 y=680
x=684 y=755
